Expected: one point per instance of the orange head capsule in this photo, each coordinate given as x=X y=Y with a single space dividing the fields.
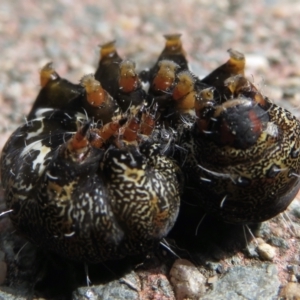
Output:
x=128 y=79
x=47 y=74
x=165 y=77
x=95 y=94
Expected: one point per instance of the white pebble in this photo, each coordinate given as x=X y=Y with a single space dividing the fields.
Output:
x=187 y=281
x=266 y=251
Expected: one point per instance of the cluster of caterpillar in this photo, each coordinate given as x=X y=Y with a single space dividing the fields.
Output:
x=100 y=168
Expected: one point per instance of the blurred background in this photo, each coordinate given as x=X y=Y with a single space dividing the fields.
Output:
x=68 y=33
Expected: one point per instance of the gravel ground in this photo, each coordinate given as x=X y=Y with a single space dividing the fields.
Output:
x=68 y=33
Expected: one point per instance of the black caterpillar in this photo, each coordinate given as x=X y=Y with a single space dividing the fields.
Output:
x=99 y=169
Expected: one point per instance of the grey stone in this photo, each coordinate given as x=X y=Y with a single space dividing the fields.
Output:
x=241 y=283
x=7 y=293
x=295 y=208
x=278 y=242
x=250 y=251
x=117 y=289
x=213 y=266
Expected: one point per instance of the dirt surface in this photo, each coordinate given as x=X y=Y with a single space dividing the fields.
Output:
x=33 y=33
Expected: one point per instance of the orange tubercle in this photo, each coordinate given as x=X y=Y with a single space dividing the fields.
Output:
x=100 y=135
x=95 y=94
x=79 y=140
x=148 y=121
x=131 y=130
x=184 y=86
x=128 y=80
x=132 y=127
x=165 y=77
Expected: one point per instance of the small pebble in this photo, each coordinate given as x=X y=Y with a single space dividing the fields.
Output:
x=251 y=251
x=217 y=267
x=291 y=291
x=293 y=269
x=266 y=251
x=295 y=208
x=293 y=278
x=212 y=280
x=187 y=281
